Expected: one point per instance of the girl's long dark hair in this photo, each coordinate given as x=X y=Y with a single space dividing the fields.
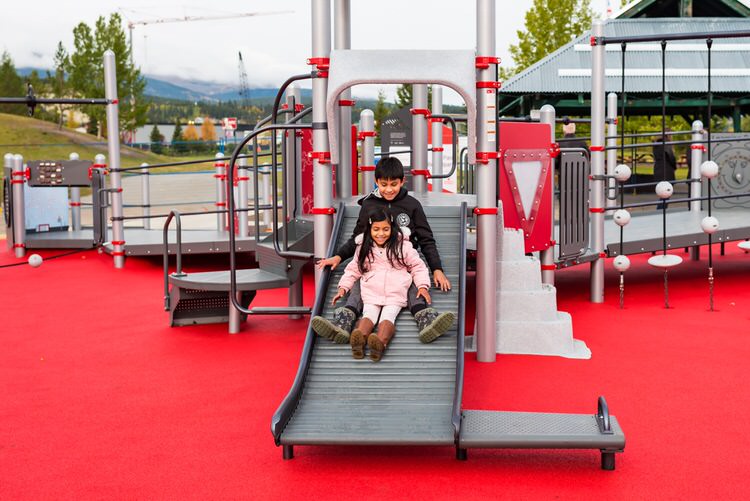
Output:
x=393 y=247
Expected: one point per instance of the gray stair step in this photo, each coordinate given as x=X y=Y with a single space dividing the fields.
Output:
x=254 y=279
x=530 y=430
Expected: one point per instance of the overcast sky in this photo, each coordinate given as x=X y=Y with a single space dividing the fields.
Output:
x=273 y=47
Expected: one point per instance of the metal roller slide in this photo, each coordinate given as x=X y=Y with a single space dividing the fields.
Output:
x=412 y=396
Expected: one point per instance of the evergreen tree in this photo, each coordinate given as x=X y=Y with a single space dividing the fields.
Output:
x=545 y=33
x=85 y=68
x=11 y=85
x=380 y=112
x=405 y=96
x=177 y=139
x=156 y=139
x=58 y=82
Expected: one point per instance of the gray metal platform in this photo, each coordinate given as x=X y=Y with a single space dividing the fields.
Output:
x=408 y=398
x=644 y=232
x=529 y=430
x=252 y=279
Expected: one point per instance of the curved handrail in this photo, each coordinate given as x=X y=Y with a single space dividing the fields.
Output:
x=286 y=408
x=458 y=391
x=454 y=136
x=602 y=417
x=173 y=214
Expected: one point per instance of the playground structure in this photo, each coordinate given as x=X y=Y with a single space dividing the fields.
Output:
x=282 y=253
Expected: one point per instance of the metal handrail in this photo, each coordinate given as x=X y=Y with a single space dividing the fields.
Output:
x=455 y=146
x=174 y=214
x=458 y=390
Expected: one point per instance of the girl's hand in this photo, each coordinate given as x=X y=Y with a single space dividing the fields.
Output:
x=425 y=294
x=341 y=293
x=441 y=281
x=333 y=262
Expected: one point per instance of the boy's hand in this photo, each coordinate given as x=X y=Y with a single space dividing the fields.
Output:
x=441 y=281
x=425 y=294
x=341 y=293
x=333 y=262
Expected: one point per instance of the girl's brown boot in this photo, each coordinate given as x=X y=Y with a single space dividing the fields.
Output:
x=378 y=343
x=358 y=337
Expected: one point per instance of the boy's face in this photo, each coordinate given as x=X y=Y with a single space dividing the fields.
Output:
x=389 y=188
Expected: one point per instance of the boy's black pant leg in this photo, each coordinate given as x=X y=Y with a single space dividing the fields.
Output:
x=354 y=300
x=414 y=303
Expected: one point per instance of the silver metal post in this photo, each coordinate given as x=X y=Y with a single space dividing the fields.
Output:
x=419 y=139
x=75 y=201
x=367 y=166
x=18 y=180
x=113 y=149
x=612 y=141
x=437 y=138
x=696 y=159
x=265 y=194
x=596 y=193
x=221 y=201
x=8 y=166
x=234 y=315
x=487 y=220
x=342 y=39
x=322 y=173
x=547 y=256
x=242 y=197
x=146 y=196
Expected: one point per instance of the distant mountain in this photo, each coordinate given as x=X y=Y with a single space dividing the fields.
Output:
x=196 y=90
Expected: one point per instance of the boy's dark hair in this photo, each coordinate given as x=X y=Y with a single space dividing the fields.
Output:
x=389 y=168
x=393 y=247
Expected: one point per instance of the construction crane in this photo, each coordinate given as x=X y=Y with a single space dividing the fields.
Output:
x=244 y=87
x=182 y=19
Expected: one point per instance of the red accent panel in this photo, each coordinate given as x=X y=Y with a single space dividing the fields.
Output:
x=596 y=210
x=484 y=62
x=19 y=246
x=285 y=106
x=602 y=255
x=299 y=107
x=698 y=147
x=243 y=178
x=321 y=63
x=420 y=172
x=323 y=157
x=484 y=211
x=489 y=85
x=347 y=102
x=549 y=267
x=484 y=157
x=17 y=181
x=366 y=133
x=118 y=253
x=220 y=204
x=366 y=168
x=327 y=211
x=592 y=40
x=433 y=120
x=438 y=148
x=420 y=111
x=75 y=204
x=223 y=177
x=597 y=148
x=523 y=145
x=118 y=242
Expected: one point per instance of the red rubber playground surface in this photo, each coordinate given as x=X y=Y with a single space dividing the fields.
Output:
x=100 y=399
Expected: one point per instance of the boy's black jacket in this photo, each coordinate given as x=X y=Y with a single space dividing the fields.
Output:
x=407 y=211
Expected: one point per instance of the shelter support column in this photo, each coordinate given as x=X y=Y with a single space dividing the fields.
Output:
x=547 y=256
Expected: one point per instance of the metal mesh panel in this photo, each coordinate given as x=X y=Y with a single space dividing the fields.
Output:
x=573 y=238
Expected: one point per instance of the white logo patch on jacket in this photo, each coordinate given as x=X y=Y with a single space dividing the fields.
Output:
x=403 y=219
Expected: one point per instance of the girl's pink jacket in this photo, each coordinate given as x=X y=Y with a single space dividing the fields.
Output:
x=385 y=284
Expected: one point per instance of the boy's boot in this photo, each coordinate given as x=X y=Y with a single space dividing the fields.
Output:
x=379 y=342
x=359 y=337
x=337 y=330
x=432 y=324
